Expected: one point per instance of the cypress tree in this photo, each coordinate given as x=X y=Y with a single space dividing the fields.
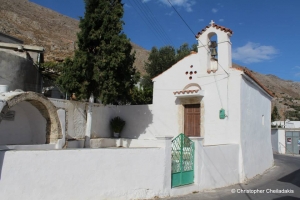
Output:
x=103 y=62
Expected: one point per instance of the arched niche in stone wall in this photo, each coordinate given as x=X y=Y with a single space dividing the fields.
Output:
x=46 y=109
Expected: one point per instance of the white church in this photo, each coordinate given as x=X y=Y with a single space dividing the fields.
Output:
x=206 y=95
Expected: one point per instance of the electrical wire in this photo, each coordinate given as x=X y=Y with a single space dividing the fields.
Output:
x=194 y=34
x=151 y=22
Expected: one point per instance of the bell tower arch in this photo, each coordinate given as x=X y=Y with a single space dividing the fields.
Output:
x=208 y=62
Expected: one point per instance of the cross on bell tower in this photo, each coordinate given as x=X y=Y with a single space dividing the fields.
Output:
x=212 y=22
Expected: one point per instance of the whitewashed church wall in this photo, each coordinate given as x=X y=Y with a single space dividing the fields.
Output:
x=28 y=126
x=220 y=166
x=221 y=91
x=127 y=173
x=166 y=106
x=256 y=148
x=216 y=98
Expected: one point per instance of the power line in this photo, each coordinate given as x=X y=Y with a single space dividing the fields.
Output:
x=151 y=22
x=181 y=18
x=159 y=25
x=194 y=33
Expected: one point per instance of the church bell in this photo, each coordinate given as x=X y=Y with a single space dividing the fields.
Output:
x=213 y=52
x=213 y=48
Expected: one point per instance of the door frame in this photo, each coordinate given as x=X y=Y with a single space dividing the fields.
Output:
x=180 y=111
x=193 y=123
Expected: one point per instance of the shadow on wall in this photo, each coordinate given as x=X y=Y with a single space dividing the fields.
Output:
x=138 y=120
x=2 y=154
x=27 y=126
x=220 y=165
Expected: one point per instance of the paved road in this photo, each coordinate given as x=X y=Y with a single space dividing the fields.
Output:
x=284 y=175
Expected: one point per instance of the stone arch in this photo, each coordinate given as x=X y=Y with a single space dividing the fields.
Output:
x=44 y=106
x=192 y=85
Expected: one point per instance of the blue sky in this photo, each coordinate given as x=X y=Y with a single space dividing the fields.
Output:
x=266 y=33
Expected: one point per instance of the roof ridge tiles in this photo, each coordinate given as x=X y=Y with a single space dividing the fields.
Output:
x=222 y=28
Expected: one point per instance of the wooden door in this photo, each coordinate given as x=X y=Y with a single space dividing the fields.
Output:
x=192 y=120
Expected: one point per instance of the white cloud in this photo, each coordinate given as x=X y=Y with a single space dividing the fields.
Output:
x=214 y=10
x=187 y=4
x=200 y=20
x=170 y=13
x=127 y=6
x=297 y=74
x=296 y=67
x=253 y=53
x=221 y=20
x=145 y=1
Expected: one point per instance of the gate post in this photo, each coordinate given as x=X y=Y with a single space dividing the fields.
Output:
x=168 y=162
x=198 y=159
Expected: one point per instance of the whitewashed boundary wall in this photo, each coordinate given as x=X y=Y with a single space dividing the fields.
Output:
x=139 y=120
x=127 y=173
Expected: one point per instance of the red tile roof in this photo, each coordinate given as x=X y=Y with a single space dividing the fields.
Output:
x=222 y=28
x=186 y=92
x=247 y=72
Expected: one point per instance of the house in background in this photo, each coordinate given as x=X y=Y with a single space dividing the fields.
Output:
x=285 y=137
x=205 y=95
x=19 y=64
x=286 y=124
x=286 y=140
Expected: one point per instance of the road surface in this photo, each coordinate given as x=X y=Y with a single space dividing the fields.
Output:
x=284 y=176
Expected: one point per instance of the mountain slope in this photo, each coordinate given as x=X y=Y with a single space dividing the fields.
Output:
x=37 y=25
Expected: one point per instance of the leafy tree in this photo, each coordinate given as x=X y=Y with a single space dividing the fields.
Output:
x=160 y=60
x=275 y=114
x=141 y=96
x=184 y=50
x=103 y=62
x=50 y=70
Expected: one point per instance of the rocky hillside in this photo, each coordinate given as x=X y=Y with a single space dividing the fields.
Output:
x=36 y=25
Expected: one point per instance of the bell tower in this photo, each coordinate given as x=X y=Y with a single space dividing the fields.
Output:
x=214 y=54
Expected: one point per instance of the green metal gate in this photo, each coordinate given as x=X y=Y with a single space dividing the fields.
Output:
x=182 y=161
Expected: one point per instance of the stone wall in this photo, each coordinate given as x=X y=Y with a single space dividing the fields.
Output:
x=19 y=73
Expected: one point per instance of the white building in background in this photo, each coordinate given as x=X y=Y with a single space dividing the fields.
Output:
x=286 y=124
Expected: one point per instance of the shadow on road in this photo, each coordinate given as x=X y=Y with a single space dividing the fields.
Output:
x=293 y=178
x=286 y=198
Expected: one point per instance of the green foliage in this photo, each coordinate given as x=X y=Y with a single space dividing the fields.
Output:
x=159 y=61
x=184 y=50
x=117 y=124
x=51 y=70
x=275 y=114
x=162 y=59
x=103 y=62
x=141 y=96
x=292 y=115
